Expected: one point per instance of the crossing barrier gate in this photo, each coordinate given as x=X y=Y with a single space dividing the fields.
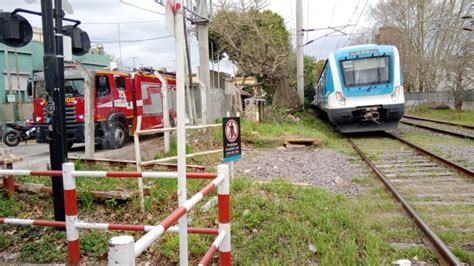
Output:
x=123 y=250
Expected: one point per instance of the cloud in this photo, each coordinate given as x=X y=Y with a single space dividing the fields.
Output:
x=159 y=53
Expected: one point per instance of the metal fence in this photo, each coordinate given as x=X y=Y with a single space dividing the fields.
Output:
x=438 y=96
x=444 y=97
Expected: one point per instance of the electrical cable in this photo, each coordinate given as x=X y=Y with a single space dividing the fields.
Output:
x=349 y=22
x=357 y=22
x=330 y=21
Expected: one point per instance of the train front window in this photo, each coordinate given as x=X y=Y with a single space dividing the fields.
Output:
x=366 y=71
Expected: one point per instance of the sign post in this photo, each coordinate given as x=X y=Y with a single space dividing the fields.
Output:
x=232 y=146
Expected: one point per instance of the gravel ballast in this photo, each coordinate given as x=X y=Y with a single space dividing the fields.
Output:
x=326 y=168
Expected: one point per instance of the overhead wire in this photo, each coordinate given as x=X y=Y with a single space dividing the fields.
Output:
x=349 y=22
x=357 y=23
x=141 y=8
x=99 y=40
x=330 y=21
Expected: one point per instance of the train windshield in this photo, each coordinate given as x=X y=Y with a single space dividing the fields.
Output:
x=366 y=71
x=72 y=88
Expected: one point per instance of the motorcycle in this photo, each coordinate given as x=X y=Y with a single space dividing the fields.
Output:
x=18 y=133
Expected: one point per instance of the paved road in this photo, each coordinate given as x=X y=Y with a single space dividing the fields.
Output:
x=36 y=156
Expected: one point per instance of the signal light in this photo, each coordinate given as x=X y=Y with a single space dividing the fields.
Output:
x=81 y=43
x=15 y=30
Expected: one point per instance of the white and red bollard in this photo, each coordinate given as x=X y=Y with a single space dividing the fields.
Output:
x=70 y=208
x=223 y=204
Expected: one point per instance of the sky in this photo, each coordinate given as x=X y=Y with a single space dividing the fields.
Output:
x=103 y=18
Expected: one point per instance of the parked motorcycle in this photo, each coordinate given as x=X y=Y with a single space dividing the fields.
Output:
x=16 y=133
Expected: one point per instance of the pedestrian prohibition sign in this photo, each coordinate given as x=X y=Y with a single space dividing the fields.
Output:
x=231 y=132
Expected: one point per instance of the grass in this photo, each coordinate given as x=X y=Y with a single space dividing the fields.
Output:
x=425 y=110
x=273 y=223
x=272 y=133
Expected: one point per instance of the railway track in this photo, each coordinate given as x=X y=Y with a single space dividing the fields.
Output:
x=436 y=193
x=463 y=131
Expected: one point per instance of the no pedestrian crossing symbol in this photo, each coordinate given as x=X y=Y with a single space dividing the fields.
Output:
x=231 y=132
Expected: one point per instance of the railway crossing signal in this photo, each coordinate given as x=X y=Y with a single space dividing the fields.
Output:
x=16 y=31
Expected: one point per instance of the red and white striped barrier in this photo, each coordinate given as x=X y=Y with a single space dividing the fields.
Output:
x=212 y=250
x=119 y=247
x=104 y=226
x=122 y=247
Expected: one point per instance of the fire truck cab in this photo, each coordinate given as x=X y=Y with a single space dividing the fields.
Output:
x=119 y=99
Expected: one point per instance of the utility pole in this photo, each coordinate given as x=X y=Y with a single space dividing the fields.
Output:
x=134 y=65
x=18 y=87
x=299 y=51
x=120 y=46
x=9 y=80
x=54 y=79
x=203 y=38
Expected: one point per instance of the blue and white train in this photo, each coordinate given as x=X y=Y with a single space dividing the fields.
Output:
x=361 y=88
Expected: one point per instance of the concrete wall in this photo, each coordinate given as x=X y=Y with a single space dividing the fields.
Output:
x=22 y=112
x=217 y=104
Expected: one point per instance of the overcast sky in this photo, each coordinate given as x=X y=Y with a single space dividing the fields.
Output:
x=101 y=20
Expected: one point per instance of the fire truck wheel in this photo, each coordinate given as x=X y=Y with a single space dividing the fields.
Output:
x=115 y=136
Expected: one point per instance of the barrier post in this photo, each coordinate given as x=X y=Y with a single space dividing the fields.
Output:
x=138 y=161
x=70 y=208
x=9 y=181
x=223 y=203
x=122 y=250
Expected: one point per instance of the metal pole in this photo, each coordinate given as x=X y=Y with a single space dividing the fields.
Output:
x=18 y=101
x=223 y=205
x=190 y=78
x=120 y=46
x=138 y=160
x=56 y=127
x=9 y=80
x=181 y=130
x=299 y=51
x=203 y=38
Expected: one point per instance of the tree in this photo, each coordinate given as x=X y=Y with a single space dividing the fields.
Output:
x=312 y=71
x=426 y=33
x=258 y=42
x=459 y=68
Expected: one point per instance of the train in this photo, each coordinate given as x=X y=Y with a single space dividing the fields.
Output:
x=361 y=88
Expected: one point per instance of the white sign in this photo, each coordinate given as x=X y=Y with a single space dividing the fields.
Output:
x=11 y=98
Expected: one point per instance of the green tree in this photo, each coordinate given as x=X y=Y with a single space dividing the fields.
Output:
x=258 y=43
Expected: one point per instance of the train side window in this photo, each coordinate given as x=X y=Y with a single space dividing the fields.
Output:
x=102 y=86
x=323 y=83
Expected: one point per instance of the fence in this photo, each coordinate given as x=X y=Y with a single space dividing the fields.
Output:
x=138 y=159
x=446 y=97
x=123 y=250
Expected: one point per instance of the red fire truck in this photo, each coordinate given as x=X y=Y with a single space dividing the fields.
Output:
x=119 y=99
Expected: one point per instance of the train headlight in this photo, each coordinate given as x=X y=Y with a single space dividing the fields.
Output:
x=396 y=93
x=340 y=98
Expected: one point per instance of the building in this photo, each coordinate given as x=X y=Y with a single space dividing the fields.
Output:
x=18 y=66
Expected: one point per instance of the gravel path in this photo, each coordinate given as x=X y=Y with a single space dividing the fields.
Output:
x=324 y=168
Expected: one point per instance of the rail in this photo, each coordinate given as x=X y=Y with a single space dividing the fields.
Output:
x=439 y=246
